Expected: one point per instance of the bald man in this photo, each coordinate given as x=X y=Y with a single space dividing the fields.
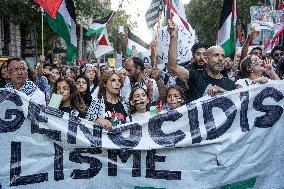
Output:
x=207 y=82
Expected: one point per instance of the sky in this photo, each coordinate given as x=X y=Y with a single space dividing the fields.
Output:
x=137 y=9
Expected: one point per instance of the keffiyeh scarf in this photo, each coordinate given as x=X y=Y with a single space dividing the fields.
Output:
x=86 y=66
x=29 y=88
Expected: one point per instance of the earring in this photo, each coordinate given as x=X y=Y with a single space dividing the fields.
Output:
x=250 y=71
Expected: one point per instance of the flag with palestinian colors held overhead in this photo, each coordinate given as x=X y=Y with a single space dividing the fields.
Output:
x=227 y=27
x=177 y=8
x=178 y=15
x=133 y=48
x=98 y=26
x=103 y=45
x=274 y=37
x=65 y=26
x=51 y=7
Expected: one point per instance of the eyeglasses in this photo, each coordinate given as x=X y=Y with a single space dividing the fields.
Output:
x=278 y=54
x=18 y=69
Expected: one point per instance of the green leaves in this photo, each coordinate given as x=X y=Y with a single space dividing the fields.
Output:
x=204 y=16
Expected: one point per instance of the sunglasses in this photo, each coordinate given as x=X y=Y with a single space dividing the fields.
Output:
x=278 y=54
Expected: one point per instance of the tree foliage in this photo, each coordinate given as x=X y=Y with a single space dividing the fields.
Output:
x=17 y=11
x=27 y=14
x=204 y=16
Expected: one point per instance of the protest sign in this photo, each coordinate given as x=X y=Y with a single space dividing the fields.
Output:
x=278 y=16
x=262 y=33
x=111 y=62
x=261 y=14
x=234 y=140
x=145 y=56
x=185 y=42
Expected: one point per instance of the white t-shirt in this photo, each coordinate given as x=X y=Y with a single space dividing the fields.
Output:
x=139 y=117
x=246 y=82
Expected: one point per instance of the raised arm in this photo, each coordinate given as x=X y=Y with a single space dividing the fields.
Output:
x=172 y=66
x=246 y=44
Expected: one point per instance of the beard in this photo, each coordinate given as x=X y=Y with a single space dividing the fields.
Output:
x=133 y=79
x=217 y=67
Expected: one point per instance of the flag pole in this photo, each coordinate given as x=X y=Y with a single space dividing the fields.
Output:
x=154 y=64
x=42 y=44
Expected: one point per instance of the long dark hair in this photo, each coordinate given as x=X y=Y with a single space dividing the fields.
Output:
x=181 y=91
x=76 y=100
x=83 y=69
x=281 y=67
x=244 y=67
x=2 y=80
x=87 y=97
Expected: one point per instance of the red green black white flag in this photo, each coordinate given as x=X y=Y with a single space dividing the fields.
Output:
x=65 y=26
x=51 y=7
x=227 y=27
x=98 y=26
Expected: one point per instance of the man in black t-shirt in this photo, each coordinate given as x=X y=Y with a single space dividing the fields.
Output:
x=207 y=82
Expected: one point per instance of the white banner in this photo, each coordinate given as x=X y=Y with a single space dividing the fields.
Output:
x=234 y=140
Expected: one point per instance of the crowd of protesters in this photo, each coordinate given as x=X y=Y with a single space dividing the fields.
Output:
x=134 y=92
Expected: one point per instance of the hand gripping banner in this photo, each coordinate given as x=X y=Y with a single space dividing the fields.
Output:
x=234 y=140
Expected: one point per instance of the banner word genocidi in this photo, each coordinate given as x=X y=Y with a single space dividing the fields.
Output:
x=233 y=140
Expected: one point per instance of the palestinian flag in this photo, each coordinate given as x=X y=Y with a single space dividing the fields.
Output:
x=103 y=45
x=50 y=6
x=274 y=36
x=227 y=27
x=178 y=14
x=133 y=48
x=65 y=26
x=98 y=26
x=277 y=33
